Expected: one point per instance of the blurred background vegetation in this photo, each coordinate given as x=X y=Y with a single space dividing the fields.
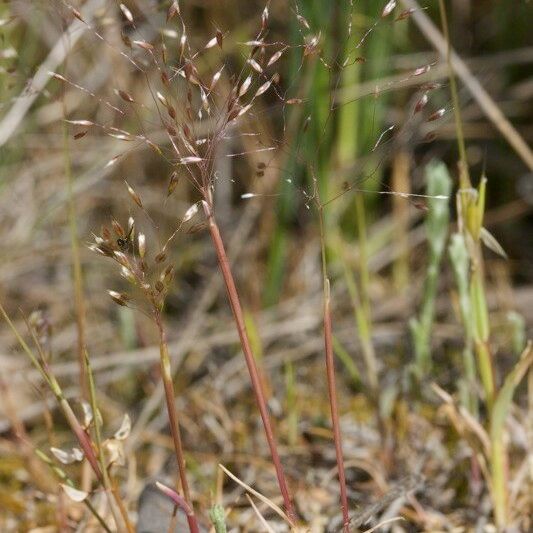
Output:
x=348 y=119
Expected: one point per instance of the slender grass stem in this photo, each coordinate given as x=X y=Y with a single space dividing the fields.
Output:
x=255 y=377
x=79 y=298
x=166 y=376
x=330 y=370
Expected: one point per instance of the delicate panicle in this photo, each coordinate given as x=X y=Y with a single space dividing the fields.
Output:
x=161 y=257
x=134 y=196
x=437 y=114
x=245 y=86
x=77 y=14
x=244 y=110
x=213 y=42
x=264 y=18
x=263 y=88
x=127 y=13
x=173 y=10
x=255 y=65
x=191 y=159
x=311 y=45
x=275 y=57
x=97 y=249
x=88 y=415
x=421 y=103
x=127 y=274
x=380 y=138
x=80 y=122
x=219 y=37
x=190 y=213
x=119 y=298
x=406 y=13
x=141 y=243
x=215 y=78
x=112 y=161
x=183 y=42
x=303 y=21
x=161 y=98
x=121 y=258
x=144 y=45
x=125 y=96
x=389 y=8
x=421 y=70
x=172 y=183
x=118 y=229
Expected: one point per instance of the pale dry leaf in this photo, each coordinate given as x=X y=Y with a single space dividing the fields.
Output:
x=123 y=432
x=75 y=495
x=67 y=457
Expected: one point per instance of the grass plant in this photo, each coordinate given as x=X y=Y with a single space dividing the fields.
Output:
x=288 y=173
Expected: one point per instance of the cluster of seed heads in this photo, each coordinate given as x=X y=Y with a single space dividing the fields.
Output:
x=149 y=275
x=196 y=113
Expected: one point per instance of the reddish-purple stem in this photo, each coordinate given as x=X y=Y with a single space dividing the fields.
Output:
x=257 y=387
x=332 y=390
x=83 y=439
x=168 y=385
x=183 y=504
